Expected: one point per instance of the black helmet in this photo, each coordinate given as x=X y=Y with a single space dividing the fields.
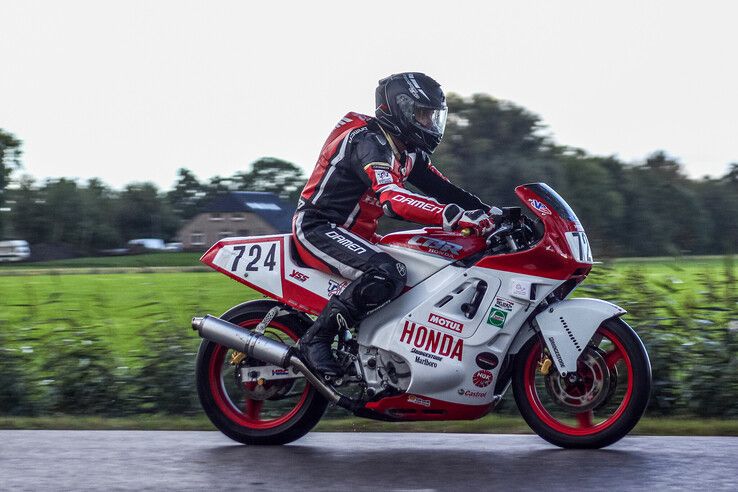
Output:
x=412 y=107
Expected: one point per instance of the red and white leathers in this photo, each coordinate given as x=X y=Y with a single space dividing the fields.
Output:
x=360 y=176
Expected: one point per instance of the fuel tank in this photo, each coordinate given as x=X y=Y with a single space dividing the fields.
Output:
x=425 y=251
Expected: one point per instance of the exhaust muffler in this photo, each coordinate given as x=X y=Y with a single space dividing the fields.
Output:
x=252 y=344
x=263 y=348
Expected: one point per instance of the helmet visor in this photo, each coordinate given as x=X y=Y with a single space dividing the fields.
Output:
x=432 y=120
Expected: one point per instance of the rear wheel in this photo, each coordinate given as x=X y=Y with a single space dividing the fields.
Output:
x=597 y=405
x=248 y=400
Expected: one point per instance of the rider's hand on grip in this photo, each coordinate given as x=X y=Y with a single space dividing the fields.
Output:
x=477 y=220
x=468 y=221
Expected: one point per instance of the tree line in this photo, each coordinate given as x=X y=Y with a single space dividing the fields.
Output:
x=490 y=147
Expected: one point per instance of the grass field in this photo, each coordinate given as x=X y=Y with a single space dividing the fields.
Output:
x=125 y=261
x=121 y=307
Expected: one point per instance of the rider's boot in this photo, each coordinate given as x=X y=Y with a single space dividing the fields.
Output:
x=315 y=345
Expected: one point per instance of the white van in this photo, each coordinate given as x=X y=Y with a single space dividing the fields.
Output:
x=146 y=243
x=16 y=250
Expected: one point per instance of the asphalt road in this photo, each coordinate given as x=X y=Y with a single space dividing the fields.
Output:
x=114 y=460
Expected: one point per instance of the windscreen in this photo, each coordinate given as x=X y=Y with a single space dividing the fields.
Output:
x=554 y=200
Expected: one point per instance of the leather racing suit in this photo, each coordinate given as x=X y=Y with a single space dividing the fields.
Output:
x=360 y=176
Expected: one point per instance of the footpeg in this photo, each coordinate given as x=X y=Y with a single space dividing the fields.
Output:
x=267 y=319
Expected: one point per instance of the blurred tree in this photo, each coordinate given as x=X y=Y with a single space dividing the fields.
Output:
x=28 y=216
x=142 y=212
x=188 y=194
x=97 y=217
x=63 y=202
x=275 y=175
x=10 y=152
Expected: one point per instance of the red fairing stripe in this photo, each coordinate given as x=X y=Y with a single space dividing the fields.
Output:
x=437 y=242
x=417 y=407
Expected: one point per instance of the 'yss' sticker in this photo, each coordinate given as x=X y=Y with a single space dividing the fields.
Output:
x=497 y=317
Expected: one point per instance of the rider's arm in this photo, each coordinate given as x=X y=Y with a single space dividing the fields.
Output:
x=429 y=180
x=380 y=170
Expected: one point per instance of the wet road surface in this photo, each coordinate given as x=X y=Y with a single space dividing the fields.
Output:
x=133 y=460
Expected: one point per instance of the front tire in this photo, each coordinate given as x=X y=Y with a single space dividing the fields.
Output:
x=603 y=401
x=275 y=412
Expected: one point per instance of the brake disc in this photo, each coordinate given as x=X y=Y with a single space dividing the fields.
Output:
x=589 y=388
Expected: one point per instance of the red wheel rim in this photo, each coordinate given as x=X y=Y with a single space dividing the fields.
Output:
x=250 y=417
x=585 y=420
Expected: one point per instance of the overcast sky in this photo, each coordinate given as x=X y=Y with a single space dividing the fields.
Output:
x=133 y=90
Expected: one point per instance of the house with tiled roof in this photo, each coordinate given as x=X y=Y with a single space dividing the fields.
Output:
x=237 y=213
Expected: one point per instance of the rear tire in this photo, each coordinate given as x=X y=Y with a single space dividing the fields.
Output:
x=609 y=407
x=279 y=419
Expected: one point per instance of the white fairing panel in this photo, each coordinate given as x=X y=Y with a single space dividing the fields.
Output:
x=568 y=325
x=419 y=265
x=259 y=260
x=442 y=345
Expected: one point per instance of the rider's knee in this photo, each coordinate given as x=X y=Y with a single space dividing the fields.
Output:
x=382 y=282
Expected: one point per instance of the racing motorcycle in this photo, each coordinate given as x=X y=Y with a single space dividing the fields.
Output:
x=478 y=315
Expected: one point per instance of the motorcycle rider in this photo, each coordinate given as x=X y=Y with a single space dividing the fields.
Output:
x=360 y=176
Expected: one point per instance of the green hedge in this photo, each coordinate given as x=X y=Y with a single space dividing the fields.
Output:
x=120 y=346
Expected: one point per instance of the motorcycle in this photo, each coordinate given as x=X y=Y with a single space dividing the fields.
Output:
x=478 y=315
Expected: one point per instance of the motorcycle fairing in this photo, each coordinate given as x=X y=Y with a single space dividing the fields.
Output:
x=267 y=264
x=409 y=328
x=270 y=264
x=433 y=338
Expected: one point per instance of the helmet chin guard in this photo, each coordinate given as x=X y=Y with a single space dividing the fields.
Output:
x=412 y=107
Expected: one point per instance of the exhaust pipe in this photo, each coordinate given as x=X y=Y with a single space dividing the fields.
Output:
x=263 y=348
x=252 y=344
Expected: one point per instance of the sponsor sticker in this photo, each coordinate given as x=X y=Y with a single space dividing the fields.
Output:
x=502 y=303
x=335 y=288
x=486 y=360
x=280 y=372
x=472 y=394
x=445 y=323
x=556 y=352
x=497 y=317
x=520 y=289
x=436 y=246
x=382 y=176
x=482 y=378
x=432 y=341
x=418 y=401
x=540 y=206
x=299 y=276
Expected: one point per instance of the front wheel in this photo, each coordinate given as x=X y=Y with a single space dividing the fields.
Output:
x=597 y=405
x=248 y=400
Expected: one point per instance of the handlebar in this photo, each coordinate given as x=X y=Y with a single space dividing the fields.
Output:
x=514 y=230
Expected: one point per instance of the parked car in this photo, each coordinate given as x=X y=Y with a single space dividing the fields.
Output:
x=146 y=243
x=173 y=246
x=15 y=250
